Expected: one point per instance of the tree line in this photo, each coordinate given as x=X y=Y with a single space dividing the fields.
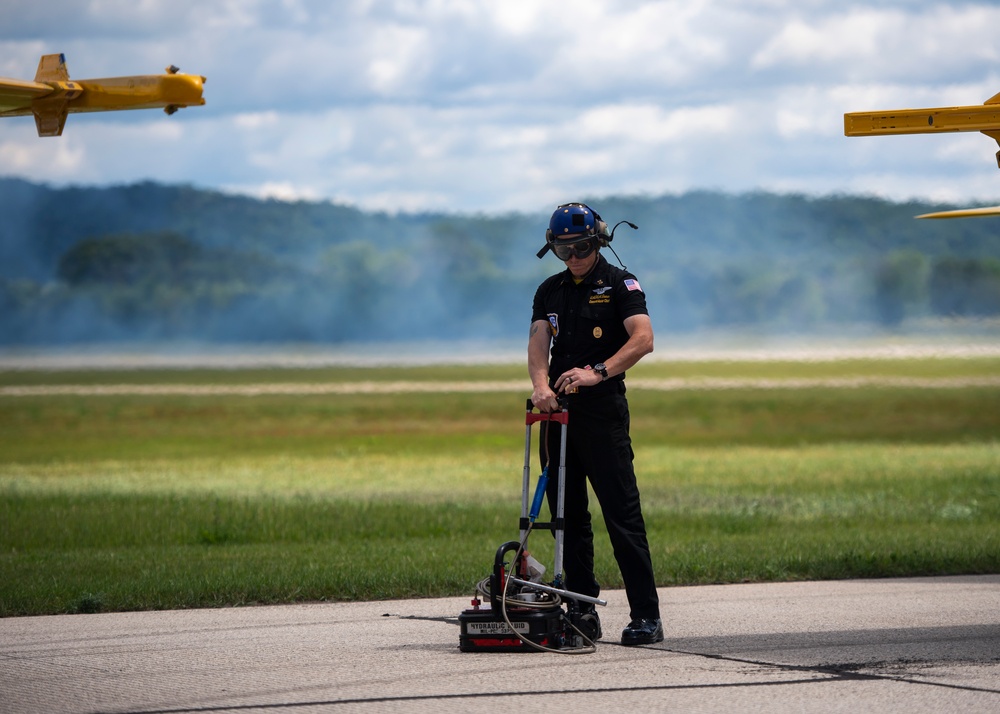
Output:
x=173 y=262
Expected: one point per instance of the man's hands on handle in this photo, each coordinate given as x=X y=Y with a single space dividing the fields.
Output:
x=544 y=397
x=569 y=382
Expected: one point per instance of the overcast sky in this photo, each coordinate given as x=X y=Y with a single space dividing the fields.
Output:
x=493 y=105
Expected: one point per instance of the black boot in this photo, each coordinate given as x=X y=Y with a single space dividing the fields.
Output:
x=643 y=632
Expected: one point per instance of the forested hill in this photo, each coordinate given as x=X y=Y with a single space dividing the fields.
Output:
x=161 y=262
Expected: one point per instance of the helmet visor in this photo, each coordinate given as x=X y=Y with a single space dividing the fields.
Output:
x=580 y=248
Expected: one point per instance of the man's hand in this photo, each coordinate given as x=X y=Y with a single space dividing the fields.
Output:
x=545 y=399
x=571 y=380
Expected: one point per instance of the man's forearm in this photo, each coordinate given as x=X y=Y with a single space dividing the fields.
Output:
x=539 y=341
x=638 y=345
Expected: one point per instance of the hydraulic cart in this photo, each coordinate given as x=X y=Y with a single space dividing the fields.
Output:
x=524 y=614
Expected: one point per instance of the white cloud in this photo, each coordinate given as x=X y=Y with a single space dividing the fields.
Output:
x=470 y=105
x=280 y=191
x=649 y=124
x=21 y=154
x=398 y=53
x=514 y=17
x=252 y=121
x=838 y=39
x=915 y=42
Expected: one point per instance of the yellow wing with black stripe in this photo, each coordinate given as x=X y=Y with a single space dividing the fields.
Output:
x=52 y=96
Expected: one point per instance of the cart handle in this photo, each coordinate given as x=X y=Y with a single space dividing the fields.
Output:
x=531 y=416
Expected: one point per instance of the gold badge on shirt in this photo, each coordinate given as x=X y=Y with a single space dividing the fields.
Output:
x=598 y=332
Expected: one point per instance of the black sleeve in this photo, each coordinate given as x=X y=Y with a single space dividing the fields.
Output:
x=629 y=297
x=539 y=307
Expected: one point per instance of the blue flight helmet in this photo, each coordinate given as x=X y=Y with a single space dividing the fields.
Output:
x=580 y=223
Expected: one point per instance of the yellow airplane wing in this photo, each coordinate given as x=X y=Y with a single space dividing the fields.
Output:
x=53 y=96
x=15 y=94
x=984 y=118
x=964 y=213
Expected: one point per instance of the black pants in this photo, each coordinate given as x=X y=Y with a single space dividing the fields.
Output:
x=599 y=448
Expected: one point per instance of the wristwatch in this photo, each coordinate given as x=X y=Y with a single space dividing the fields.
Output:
x=600 y=368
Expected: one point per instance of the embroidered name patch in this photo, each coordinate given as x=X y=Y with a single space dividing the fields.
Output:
x=600 y=296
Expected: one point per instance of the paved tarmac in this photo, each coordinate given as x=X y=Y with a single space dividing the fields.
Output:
x=897 y=645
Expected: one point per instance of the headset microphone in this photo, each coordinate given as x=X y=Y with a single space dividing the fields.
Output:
x=630 y=224
x=611 y=237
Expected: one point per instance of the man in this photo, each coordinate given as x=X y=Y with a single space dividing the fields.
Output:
x=593 y=316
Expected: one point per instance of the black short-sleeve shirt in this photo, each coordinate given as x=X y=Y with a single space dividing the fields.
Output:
x=586 y=320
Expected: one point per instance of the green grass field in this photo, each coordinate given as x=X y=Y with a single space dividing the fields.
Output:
x=127 y=502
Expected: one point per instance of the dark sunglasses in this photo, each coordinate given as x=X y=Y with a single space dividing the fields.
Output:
x=581 y=249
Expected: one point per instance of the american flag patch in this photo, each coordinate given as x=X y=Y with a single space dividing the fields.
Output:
x=633 y=284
